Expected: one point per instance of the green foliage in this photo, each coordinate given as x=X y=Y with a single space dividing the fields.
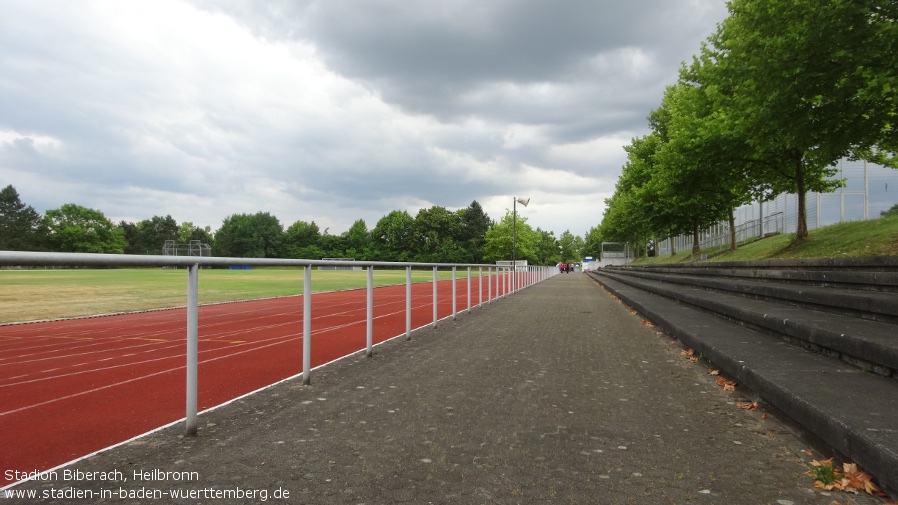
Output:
x=501 y=237
x=302 y=241
x=475 y=223
x=438 y=236
x=152 y=234
x=792 y=71
x=435 y=235
x=187 y=231
x=571 y=247
x=824 y=472
x=257 y=235
x=781 y=92
x=547 y=250
x=356 y=241
x=73 y=228
x=21 y=227
x=392 y=236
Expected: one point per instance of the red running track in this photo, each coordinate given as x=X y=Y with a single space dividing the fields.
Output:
x=72 y=387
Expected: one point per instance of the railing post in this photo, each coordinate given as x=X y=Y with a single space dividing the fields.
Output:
x=489 y=282
x=454 y=294
x=369 y=331
x=434 y=297
x=408 y=303
x=190 y=428
x=307 y=325
x=480 y=287
x=469 y=290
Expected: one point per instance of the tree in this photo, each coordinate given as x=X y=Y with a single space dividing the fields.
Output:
x=699 y=166
x=547 y=250
x=302 y=241
x=475 y=223
x=571 y=247
x=131 y=235
x=21 y=227
x=257 y=235
x=436 y=236
x=152 y=234
x=805 y=83
x=638 y=210
x=501 y=236
x=357 y=241
x=73 y=228
x=392 y=237
x=187 y=232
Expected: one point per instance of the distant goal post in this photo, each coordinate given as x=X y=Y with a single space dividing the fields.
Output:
x=338 y=267
x=521 y=264
x=193 y=248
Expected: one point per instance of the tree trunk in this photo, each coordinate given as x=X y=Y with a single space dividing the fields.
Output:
x=733 y=244
x=696 y=248
x=801 y=231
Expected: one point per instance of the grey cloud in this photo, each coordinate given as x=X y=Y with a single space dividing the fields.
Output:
x=416 y=103
x=424 y=56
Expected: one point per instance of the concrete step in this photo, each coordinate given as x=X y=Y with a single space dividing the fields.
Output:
x=864 y=303
x=852 y=411
x=865 y=343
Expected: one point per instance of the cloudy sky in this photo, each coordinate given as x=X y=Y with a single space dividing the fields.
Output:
x=333 y=110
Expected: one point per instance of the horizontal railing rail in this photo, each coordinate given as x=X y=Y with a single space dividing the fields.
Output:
x=506 y=282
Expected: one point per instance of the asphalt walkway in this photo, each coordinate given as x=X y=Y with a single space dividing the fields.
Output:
x=556 y=394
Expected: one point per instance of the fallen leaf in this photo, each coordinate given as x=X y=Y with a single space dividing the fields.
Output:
x=727 y=385
x=747 y=405
x=714 y=372
x=849 y=479
x=764 y=415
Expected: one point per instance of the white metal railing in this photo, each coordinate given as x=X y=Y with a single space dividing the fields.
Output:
x=504 y=285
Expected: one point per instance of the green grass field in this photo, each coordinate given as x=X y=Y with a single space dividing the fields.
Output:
x=28 y=295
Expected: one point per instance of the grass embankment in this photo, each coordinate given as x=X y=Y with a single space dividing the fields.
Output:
x=876 y=237
x=28 y=295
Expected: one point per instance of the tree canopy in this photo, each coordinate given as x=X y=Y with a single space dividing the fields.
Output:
x=435 y=234
x=21 y=227
x=780 y=93
x=73 y=228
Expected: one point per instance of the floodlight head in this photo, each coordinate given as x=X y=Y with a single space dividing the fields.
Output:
x=523 y=201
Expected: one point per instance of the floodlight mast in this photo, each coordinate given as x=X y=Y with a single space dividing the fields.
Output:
x=514 y=239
